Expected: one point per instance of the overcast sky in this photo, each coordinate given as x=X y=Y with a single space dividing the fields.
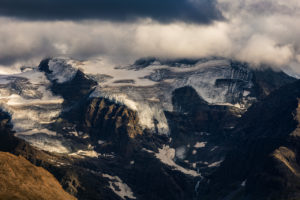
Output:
x=256 y=31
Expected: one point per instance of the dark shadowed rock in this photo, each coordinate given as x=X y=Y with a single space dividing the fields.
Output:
x=264 y=162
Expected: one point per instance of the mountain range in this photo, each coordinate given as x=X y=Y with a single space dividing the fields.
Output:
x=189 y=129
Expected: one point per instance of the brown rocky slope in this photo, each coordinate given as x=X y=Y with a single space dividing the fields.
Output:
x=19 y=179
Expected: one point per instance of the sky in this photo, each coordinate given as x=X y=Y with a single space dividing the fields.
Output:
x=261 y=32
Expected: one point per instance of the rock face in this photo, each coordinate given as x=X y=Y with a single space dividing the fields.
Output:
x=264 y=162
x=104 y=120
x=19 y=179
x=267 y=81
x=205 y=117
x=100 y=111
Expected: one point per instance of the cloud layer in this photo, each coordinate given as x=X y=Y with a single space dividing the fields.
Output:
x=196 y=11
x=255 y=31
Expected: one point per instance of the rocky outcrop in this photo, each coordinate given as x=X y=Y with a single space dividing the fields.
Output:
x=106 y=122
x=111 y=119
x=114 y=123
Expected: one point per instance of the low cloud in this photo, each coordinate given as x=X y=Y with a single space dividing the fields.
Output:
x=250 y=33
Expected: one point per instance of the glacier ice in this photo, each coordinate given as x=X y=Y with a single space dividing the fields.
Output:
x=153 y=97
x=33 y=106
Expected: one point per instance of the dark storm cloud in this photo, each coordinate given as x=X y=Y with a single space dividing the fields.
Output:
x=196 y=11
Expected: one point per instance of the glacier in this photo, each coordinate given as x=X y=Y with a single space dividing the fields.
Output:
x=150 y=91
x=144 y=88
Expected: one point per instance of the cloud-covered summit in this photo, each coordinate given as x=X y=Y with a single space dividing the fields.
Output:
x=195 y=11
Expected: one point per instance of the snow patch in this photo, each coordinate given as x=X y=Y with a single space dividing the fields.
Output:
x=180 y=152
x=243 y=184
x=215 y=164
x=194 y=165
x=85 y=153
x=246 y=93
x=200 y=145
x=119 y=187
x=214 y=148
x=101 y=142
x=166 y=155
x=36 y=131
x=49 y=144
